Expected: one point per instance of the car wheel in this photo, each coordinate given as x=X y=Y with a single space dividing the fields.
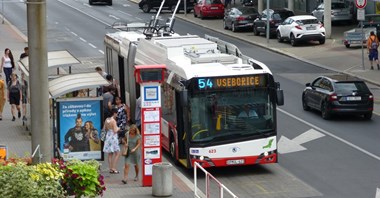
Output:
x=255 y=31
x=172 y=151
x=368 y=116
x=293 y=41
x=225 y=25
x=279 y=38
x=304 y=103
x=325 y=113
x=347 y=45
x=233 y=28
x=322 y=41
x=146 y=8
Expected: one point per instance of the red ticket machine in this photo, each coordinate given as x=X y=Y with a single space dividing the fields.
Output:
x=150 y=78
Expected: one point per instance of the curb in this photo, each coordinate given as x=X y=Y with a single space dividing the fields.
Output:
x=14 y=28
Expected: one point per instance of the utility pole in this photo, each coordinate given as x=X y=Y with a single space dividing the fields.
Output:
x=38 y=77
x=327 y=18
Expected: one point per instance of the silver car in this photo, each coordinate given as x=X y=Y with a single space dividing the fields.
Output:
x=339 y=12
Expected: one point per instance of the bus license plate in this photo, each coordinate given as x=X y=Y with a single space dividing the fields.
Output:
x=354 y=98
x=235 y=162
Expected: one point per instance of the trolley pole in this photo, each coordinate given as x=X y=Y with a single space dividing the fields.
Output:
x=38 y=70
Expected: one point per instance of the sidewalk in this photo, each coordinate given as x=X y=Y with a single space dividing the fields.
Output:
x=18 y=140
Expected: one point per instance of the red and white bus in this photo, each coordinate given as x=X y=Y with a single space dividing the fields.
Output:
x=218 y=109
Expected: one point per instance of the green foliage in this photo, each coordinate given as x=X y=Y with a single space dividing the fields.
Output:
x=21 y=180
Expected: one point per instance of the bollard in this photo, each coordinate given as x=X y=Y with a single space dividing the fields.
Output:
x=162 y=184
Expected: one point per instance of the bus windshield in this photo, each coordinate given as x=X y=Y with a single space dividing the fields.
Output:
x=231 y=114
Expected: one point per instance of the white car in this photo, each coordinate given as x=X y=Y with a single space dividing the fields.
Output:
x=301 y=28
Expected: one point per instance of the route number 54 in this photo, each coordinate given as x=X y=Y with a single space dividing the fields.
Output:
x=204 y=83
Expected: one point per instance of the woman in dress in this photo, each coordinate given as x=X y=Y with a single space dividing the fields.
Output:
x=111 y=143
x=92 y=134
x=134 y=143
x=123 y=117
x=7 y=63
x=14 y=96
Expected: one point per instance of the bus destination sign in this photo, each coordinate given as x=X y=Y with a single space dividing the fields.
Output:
x=210 y=83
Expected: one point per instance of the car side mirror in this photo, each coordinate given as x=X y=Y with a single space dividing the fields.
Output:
x=308 y=85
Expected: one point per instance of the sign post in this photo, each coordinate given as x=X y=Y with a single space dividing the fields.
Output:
x=360 y=5
x=150 y=78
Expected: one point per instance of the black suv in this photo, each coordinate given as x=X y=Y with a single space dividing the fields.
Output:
x=147 y=5
x=91 y=2
x=276 y=17
x=338 y=94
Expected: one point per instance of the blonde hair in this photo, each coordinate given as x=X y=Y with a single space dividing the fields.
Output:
x=133 y=126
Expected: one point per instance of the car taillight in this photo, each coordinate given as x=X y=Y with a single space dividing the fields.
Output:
x=298 y=27
x=333 y=97
x=370 y=97
x=204 y=8
x=240 y=18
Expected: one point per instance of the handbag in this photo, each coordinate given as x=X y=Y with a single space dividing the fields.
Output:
x=125 y=151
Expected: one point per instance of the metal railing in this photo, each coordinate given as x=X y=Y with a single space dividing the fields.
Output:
x=222 y=188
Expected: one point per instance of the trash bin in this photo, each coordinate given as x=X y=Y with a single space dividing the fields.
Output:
x=162 y=184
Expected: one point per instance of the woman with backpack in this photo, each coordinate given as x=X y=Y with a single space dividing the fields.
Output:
x=372 y=45
x=14 y=95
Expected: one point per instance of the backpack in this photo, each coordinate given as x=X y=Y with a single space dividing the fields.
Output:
x=374 y=44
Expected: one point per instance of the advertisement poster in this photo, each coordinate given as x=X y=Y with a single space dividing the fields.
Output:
x=79 y=126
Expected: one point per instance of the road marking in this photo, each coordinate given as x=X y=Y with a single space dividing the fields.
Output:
x=125 y=13
x=139 y=18
x=377 y=193
x=331 y=135
x=101 y=51
x=93 y=46
x=286 y=145
x=126 y=5
x=113 y=16
x=73 y=33
x=88 y=5
x=82 y=39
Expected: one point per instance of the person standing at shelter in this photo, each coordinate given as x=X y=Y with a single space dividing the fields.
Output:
x=7 y=64
x=108 y=100
x=134 y=142
x=25 y=97
x=2 y=96
x=14 y=96
x=111 y=144
x=372 y=46
x=123 y=117
x=99 y=90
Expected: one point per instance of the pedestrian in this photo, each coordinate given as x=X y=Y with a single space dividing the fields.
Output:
x=107 y=100
x=113 y=82
x=25 y=96
x=24 y=54
x=372 y=45
x=7 y=64
x=14 y=96
x=134 y=142
x=138 y=113
x=99 y=90
x=111 y=143
x=123 y=117
x=2 y=96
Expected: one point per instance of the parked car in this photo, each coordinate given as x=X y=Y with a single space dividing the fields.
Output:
x=339 y=12
x=359 y=36
x=209 y=8
x=147 y=5
x=240 y=17
x=301 y=28
x=91 y=2
x=276 y=17
x=338 y=94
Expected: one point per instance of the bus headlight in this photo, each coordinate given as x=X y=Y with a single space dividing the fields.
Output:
x=266 y=153
x=202 y=157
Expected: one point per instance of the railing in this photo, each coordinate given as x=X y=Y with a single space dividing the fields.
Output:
x=222 y=188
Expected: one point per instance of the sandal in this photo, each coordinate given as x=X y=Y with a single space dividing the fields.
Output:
x=136 y=179
x=124 y=181
x=114 y=172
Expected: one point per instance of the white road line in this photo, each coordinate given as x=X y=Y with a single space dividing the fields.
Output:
x=82 y=39
x=113 y=16
x=126 y=5
x=124 y=13
x=93 y=46
x=331 y=135
x=73 y=33
x=139 y=18
x=101 y=51
x=88 y=5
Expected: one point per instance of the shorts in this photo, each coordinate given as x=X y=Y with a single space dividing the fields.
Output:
x=14 y=99
x=373 y=55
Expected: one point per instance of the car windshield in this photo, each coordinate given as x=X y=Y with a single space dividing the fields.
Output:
x=246 y=10
x=284 y=15
x=307 y=21
x=277 y=16
x=213 y=2
x=338 y=6
x=349 y=87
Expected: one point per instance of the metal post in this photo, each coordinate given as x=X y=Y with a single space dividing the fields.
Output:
x=39 y=95
x=185 y=7
x=361 y=25
x=268 y=26
x=327 y=18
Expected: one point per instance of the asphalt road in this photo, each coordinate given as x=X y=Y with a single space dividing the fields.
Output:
x=343 y=159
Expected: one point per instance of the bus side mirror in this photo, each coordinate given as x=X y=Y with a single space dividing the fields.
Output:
x=279 y=95
x=183 y=98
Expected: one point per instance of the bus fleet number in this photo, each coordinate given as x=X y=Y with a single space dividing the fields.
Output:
x=203 y=83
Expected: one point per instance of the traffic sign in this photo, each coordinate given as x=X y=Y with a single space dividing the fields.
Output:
x=360 y=4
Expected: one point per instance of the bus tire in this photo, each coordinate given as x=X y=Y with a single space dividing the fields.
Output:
x=172 y=149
